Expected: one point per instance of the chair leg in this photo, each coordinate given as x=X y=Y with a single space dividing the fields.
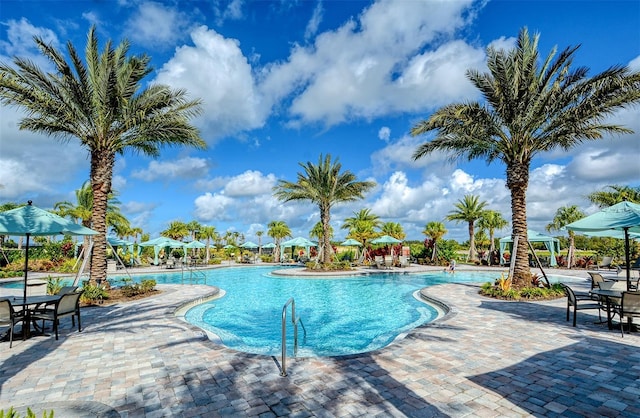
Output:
x=568 y=307
x=79 y=327
x=11 y=335
x=55 y=327
x=575 y=313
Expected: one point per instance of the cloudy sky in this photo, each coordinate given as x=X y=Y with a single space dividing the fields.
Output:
x=283 y=82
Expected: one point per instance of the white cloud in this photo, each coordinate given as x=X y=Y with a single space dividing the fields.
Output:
x=155 y=25
x=222 y=78
x=503 y=43
x=187 y=167
x=314 y=22
x=384 y=133
x=213 y=207
x=250 y=183
x=20 y=42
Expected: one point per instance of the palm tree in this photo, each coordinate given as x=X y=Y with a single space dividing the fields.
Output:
x=278 y=230
x=259 y=234
x=532 y=105
x=209 y=233
x=393 y=229
x=177 y=230
x=434 y=230
x=362 y=226
x=617 y=194
x=469 y=209
x=564 y=216
x=103 y=105
x=492 y=221
x=324 y=185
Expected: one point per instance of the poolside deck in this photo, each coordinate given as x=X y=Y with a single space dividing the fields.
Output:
x=486 y=358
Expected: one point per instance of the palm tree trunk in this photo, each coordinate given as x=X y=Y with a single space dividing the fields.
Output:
x=517 y=181
x=325 y=216
x=572 y=250
x=102 y=162
x=472 y=242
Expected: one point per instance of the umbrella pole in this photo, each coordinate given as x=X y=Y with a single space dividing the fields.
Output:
x=626 y=256
x=26 y=266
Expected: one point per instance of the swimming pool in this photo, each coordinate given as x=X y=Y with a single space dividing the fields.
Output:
x=341 y=315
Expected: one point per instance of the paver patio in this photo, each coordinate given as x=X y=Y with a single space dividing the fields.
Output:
x=486 y=358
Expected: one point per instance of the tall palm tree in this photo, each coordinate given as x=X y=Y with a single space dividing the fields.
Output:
x=492 y=221
x=393 y=229
x=278 y=230
x=604 y=198
x=362 y=226
x=104 y=105
x=325 y=185
x=259 y=234
x=434 y=230
x=177 y=230
x=532 y=105
x=469 y=209
x=564 y=216
x=208 y=233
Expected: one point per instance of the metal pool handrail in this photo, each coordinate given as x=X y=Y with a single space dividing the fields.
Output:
x=294 y=321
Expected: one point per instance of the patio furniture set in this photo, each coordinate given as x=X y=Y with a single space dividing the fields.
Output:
x=30 y=310
x=607 y=294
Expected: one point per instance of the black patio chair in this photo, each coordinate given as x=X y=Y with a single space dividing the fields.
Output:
x=67 y=305
x=579 y=303
x=9 y=317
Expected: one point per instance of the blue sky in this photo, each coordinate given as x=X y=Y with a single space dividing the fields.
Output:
x=285 y=81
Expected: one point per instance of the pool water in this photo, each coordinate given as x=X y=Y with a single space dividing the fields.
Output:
x=345 y=315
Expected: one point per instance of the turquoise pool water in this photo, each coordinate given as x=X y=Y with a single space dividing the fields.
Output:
x=341 y=315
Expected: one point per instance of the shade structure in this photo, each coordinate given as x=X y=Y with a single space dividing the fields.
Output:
x=351 y=243
x=622 y=217
x=249 y=245
x=30 y=221
x=386 y=239
x=228 y=246
x=296 y=242
x=269 y=245
x=194 y=244
x=552 y=245
x=159 y=243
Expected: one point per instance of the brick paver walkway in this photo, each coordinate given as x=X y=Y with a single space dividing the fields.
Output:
x=486 y=358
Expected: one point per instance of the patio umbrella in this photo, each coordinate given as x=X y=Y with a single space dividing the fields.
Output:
x=161 y=242
x=351 y=243
x=249 y=245
x=194 y=244
x=30 y=221
x=386 y=239
x=228 y=246
x=622 y=217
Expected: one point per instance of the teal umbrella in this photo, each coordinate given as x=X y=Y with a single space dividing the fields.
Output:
x=269 y=245
x=249 y=245
x=386 y=239
x=623 y=217
x=228 y=246
x=30 y=221
x=194 y=244
x=161 y=242
x=298 y=242
x=351 y=243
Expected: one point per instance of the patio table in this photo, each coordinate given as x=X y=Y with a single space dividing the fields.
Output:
x=29 y=304
x=608 y=295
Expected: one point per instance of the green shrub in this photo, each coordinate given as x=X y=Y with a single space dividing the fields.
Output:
x=11 y=413
x=93 y=294
x=529 y=293
x=54 y=284
x=135 y=289
x=69 y=265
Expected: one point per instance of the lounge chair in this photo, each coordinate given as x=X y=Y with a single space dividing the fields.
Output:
x=606 y=262
x=9 y=317
x=388 y=261
x=579 y=302
x=379 y=260
x=67 y=305
x=67 y=289
x=629 y=308
x=404 y=261
x=170 y=264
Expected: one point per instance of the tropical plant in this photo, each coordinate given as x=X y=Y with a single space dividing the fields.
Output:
x=325 y=185
x=278 y=230
x=177 y=230
x=468 y=209
x=103 y=105
x=208 y=233
x=362 y=226
x=259 y=234
x=435 y=231
x=393 y=229
x=492 y=221
x=563 y=217
x=617 y=194
x=532 y=105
